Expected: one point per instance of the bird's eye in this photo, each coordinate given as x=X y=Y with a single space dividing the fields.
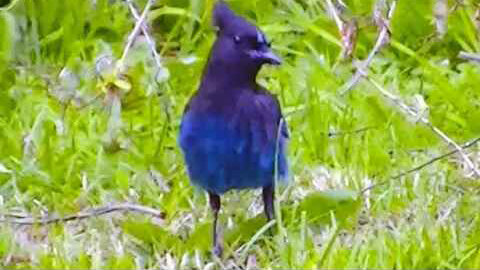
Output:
x=236 y=39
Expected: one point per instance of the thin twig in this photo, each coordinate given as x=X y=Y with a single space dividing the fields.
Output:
x=333 y=11
x=355 y=131
x=150 y=40
x=15 y=215
x=348 y=30
x=136 y=30
x=419 y=167
x=383 y=38
x=440 y=13
x=475 y=57
x=94 y=212
x=426 y=122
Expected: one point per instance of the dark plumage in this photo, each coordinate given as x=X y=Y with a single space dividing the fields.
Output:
x=232 y=128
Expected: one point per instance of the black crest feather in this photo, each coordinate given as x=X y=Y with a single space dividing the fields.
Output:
x=222 y=15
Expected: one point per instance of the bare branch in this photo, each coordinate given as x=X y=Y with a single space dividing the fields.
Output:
x=382 y=40
x=148 y=37
x=94 y=212
x=348 y=30
x=475 y=57
x=426 y=122
x=349 y=38
x=136 y=30
x=440 y=13
x=419 y=167
x=334 y=12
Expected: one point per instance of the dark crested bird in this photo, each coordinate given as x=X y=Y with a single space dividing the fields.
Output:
x=232 y=134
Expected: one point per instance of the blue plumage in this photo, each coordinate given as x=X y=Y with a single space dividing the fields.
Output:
x=233 y=149
x=232 y=134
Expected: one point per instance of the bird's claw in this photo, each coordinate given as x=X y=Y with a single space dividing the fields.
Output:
x=217 y=250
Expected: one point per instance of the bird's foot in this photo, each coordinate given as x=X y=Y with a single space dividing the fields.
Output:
x=218 y=250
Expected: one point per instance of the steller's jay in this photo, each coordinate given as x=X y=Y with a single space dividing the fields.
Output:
x=232 y=134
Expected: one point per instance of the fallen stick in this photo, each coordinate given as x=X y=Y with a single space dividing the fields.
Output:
x=94 y=212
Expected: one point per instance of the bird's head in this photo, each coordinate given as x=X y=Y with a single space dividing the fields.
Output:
x=239 y=42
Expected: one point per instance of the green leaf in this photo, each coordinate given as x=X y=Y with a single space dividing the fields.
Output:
x=200 y=238
x=154 y=14
x=246 y=229
x=150 y=234
x=7 y=36
x=123 y=84
x=4 y=169
x=123 y=262
x=318 y=205
x=52 y=37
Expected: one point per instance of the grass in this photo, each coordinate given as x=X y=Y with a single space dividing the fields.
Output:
x=69 y=143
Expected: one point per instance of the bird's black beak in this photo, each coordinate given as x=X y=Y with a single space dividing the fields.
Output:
x=266 y=55
x=270 y=58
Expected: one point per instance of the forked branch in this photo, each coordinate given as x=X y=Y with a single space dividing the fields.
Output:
x=347 y=29
x=136 y=30
x=148 y=37
x=382 y=39
x=405 y=108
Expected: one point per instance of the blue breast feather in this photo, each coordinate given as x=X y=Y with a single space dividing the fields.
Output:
x=234 y=151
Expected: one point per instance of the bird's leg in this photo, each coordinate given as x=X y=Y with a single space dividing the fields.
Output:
x=215 y=206
x=268 y=197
